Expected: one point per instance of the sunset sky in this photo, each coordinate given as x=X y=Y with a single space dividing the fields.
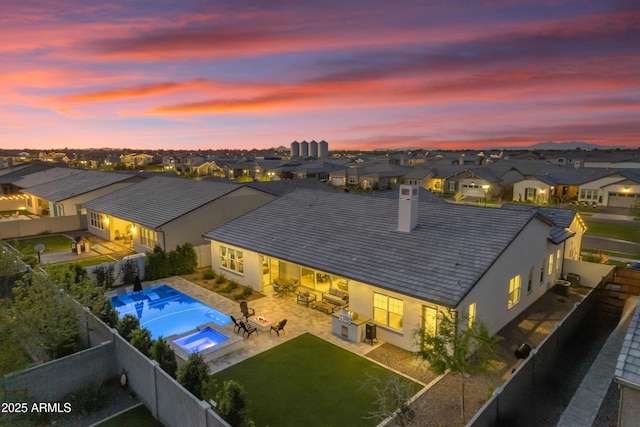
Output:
x=184 y=74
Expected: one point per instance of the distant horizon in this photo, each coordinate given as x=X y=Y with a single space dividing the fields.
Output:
x=195 y=75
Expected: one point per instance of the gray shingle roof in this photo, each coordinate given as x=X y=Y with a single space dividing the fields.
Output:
x=560 y=218
x=628 y=366
x=47 y=175
x=356 y=237
x=157 y=201
x=70 y=186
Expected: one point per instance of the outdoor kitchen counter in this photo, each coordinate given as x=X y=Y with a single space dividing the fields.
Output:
x=352 y=330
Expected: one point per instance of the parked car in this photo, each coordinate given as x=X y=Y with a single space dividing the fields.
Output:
x=634 y=266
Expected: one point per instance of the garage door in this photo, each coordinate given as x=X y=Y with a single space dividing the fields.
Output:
x=621 y=200
x=337 y=181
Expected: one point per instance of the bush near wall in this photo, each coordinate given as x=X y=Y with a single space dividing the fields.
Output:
x=160 y=264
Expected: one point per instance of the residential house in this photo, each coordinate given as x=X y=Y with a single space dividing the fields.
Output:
x=65 y=196
x=169 y=212
x=41 y=177
x=624 y=193
x=401 y=262
x=422 y=177
x=136 y=161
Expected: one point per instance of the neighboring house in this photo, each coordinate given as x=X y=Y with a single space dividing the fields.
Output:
x=627 y=374
x=41 y=177
x=135 y=161
x=535 y=189
x=422 y=178
x=64 y=196
x=169 y=212
x=9 y=175
x=624 y=193
x=401 y=261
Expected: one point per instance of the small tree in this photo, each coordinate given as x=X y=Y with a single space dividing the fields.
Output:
x=46 y=316
x=164 y=355
x=194 y=374
x=129 y=271
x=392 y=397
x=141 y=339
x=127 y=325
x=458 y=197
x=458 y=347
x=184 y=259
x=233 y=404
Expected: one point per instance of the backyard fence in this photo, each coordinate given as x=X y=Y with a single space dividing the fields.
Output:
x=32 y=227
x=166 y=399
x=116 y=269
x=507 y=406
x=628 y=280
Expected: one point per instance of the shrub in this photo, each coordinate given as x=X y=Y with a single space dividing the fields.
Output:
x=194 y=374
x=127 y=325
x=231 y=286
x=164 y=355
x=129 y=271
x=221 y=279
x=208 y=274
x=233 y=404
x=89 y=398
x=157 y=265
x=141 y=339
x=104 y=275
x=184 y=259
x=246 y=291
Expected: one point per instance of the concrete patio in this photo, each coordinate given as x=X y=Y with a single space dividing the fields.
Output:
x=300 y=319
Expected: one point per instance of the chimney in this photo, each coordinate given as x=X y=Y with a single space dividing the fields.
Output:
x=408 y=208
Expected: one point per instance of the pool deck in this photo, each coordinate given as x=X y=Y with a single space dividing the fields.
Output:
x=300 y=320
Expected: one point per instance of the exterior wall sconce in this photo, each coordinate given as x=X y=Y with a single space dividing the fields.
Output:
x=133 y=229
x=106 y=220
x=626 y=190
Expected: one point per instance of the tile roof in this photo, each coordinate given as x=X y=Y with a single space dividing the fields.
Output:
x=628 y=366
x=356 y=237
x=70 y=186
x=560 y=218
x=157 y=201
x=46 y=175
x=279 y=188
x=423 y=195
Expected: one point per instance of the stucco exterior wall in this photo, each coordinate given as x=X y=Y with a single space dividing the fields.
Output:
x=597 y=184
x=629 y=407
x=519 y=193
x=191 y=227
x=491 y=293
x=622 y=187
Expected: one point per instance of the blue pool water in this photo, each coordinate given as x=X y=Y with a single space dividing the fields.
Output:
x=201 y=340
x=165 y=311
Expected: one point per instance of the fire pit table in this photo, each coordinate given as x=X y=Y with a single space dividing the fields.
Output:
x=260 y=322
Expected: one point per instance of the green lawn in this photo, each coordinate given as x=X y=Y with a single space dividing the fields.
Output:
x=611 y=253
x=52 y=243
x=629 y=232
x=308 y=381
x=12 y=211
x=136 y=417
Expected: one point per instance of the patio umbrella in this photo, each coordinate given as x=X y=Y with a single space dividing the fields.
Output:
x=137 y=286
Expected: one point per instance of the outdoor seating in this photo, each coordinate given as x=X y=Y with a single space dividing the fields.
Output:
x=277 y=289
x=246 y=310
x=235 y=323
x=248 y=329
x=279 y=327
x=294 y=286
x=305 y=297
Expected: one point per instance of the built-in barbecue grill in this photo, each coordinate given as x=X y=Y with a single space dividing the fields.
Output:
x=348 y=316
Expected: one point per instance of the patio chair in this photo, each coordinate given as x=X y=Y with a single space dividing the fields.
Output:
x=246 y=310
x=277 y=290
x=279 y=327
x=235 y=323
x=248 y=329
x=294 y=286
x=304 y=297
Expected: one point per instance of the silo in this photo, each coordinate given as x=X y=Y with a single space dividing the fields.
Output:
x=295 y=149
x=304 y=149
x=313 y=149
x=323 y=149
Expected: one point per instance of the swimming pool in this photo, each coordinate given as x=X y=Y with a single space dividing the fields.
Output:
x=166 y=311
x=201 y=340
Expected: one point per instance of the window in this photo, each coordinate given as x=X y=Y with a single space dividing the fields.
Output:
x=388 y=311
x=542 y=272
x=353 y=179
x=60 y=210
x=148 y=237
x=530 y=281
x=451 y=186
x=514 y=291
x=589 y=194
x=558 y=260
x=550 y=264
x=96 y=220
x=529 y=193
x=472 y=314
x=232 y=259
